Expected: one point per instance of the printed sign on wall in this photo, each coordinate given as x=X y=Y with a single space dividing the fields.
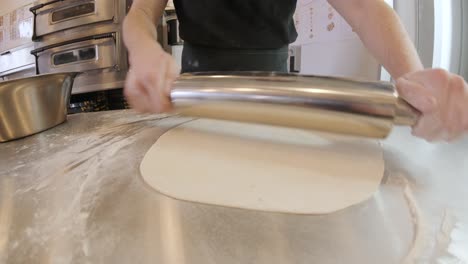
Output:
x=317 y=21
x=16 y=28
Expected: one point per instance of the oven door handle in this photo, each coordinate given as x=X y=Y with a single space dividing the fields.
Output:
x=55 y=45
x=94 y=37
x=34 y=10
x=39 y=6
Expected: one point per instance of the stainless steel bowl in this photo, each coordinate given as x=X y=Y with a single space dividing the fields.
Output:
x=34 y=104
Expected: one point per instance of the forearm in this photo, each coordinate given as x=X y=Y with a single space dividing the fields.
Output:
x=140 y=23
x=382 y=33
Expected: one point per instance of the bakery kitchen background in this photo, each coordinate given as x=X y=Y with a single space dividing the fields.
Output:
x=47 y=36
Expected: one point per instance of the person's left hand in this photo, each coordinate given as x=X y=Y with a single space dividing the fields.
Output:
x=442 y=98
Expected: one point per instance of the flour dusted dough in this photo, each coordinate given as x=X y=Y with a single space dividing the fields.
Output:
x=262 y=167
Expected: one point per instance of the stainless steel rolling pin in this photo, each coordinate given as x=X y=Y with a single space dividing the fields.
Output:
x=336 y=105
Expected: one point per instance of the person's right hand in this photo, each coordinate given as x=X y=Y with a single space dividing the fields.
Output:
x=150 y=78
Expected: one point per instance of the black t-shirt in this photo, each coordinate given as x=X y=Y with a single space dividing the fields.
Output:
x=237 y=24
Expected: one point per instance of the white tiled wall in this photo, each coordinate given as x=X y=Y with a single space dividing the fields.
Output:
x=328 y=44
x=10 y=5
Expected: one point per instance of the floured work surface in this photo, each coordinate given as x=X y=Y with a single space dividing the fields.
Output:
x=263 y=167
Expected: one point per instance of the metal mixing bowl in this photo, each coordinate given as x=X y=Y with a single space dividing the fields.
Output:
x=34 y=104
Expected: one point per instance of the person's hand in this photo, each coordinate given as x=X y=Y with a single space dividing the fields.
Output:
x=442 y=98
x=150 y=78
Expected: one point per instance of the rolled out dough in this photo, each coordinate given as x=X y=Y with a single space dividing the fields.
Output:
x=263 y=167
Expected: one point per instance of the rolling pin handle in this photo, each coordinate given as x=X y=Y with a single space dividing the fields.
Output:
x=405 y=114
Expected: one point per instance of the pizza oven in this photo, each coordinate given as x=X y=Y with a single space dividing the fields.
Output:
x=83 y=36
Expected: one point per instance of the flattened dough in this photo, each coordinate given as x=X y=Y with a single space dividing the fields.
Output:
x=262 y=167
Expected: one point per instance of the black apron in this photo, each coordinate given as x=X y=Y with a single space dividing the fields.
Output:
x=236 y=35
x=199 y=59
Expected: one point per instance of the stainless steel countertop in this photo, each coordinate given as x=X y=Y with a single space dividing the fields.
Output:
x=73 y=194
